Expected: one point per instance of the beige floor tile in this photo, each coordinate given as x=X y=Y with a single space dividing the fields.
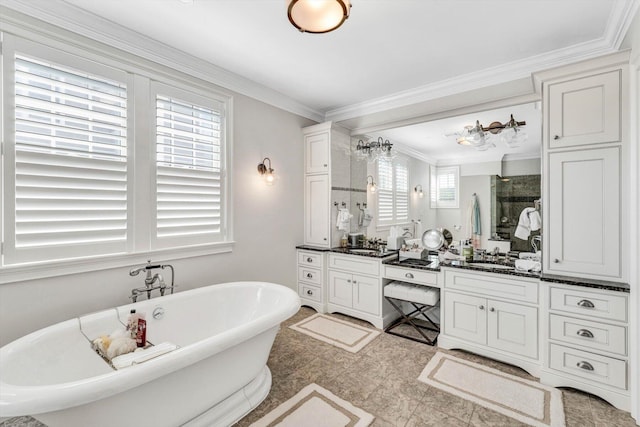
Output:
x=483 y=417
x=427 y=416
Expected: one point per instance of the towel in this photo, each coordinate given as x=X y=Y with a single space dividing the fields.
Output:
x=473 y=222
x=528 y=265
x=529 y=221
x=343 y=219
x=365 y=217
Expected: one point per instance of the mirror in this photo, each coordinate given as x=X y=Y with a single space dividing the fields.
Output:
x=434 y=143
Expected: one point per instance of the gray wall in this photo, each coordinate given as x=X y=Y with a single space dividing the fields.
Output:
x=268 y=224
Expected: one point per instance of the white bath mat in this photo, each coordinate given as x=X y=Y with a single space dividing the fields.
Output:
x=315 y=406
x=344 y=335
x=526 y=401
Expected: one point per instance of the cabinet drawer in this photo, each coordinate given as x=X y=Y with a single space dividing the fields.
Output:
x=592 y=335
x=311 y=259
x=493 y=285
x=411 y=275
x=355 y=263
x=310 y=275
x=589 y=366
x=592 y=304
x=310 y=292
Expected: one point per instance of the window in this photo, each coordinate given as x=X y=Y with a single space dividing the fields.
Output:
x=78 y=169
x=444 y=186
x=188 y=168
x=393 y=192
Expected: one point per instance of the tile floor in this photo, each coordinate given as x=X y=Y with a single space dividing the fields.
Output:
x=382 y=380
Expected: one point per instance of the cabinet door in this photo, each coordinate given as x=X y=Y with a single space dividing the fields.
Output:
x=341 y=288
x=465 y=317
x=513 y=328
x=583 y=227
x=316 y=153
x=585 y=111
x=366 y=294
x=316 y=210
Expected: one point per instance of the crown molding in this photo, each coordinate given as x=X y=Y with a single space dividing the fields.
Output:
x=76 y=20
x=412 y=152
x=620 y=19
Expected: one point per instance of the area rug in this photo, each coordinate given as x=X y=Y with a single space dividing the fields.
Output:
x=526 y=401
x=339 y=333
x=315 y=406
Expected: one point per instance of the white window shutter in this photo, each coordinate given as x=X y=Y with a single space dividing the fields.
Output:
x=401 y=192
x=393 y=191
x=70 y=148
x=189 y=164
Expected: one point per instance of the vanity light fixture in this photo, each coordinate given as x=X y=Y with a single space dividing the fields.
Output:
x=372 y=185
x=374 y=149
x=418 y=190
x=317 y=16
x=267 y=172
x=481 y=138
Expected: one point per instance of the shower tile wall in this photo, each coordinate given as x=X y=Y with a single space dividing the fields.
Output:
x=510 y=198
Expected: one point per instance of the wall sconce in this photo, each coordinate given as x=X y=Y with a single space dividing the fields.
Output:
x=418 y=190
x=267 y=172
x=372 y=185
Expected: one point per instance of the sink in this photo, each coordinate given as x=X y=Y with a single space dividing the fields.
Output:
x=490 y=266
x=363 y=251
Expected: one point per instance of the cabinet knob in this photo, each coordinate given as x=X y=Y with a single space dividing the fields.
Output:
x=584 y=333
x=585 y=365
x=348 y=280
x=309 y=259
x=585 y=303
x=557 y=261
x=481 y=307
x=325 y=239
x=492 y=309
x=309 y=275
x=556 y=137
x=354 y=282
x=409 y=276
x=325 y=165
x=309 y=292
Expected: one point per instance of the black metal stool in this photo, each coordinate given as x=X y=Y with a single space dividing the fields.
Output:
x=422 y=298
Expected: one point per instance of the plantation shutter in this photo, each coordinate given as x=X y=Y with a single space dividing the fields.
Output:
x=188 y=169
x=70 y=153
x=393 y=191
x=444 y=189
x=401 y=192
x=385 y=191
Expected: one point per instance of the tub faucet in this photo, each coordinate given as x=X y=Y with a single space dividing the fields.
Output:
x=150 y=280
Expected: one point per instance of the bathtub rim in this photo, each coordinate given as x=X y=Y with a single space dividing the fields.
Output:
x=19 y=400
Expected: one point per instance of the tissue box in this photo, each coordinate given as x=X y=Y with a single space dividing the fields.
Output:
x=413 y=254
x=394 y=243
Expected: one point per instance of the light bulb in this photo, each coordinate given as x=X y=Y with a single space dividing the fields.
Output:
x=373 y=187
x=270 y=177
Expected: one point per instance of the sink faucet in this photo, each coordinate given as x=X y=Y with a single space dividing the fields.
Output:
x=150 y=280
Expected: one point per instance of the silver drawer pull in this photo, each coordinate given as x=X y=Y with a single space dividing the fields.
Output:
x=584 y=333
x=309 y=292
x=492 y=309
x=309 y=275
x=481 y=307
x=585 y=303
x=309 y=259
x=585 y=365
x=409 y=276
x=557 y=261
x=348 y=280
x=556 y=137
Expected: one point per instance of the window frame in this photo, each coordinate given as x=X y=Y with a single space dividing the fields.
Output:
x=139 y=73
x=398 y=161
x=435 y=173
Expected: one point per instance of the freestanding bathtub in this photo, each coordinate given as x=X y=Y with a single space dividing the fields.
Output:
x=216 y=375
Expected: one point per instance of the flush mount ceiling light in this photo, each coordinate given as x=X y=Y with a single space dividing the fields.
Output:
x=374 y=149
x=481 y=138
x=317 y=16
x=267 y=172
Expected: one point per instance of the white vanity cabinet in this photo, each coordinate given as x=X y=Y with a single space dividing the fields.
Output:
x=585 y=141
x=355 y=288
x=495 y=315
x=588 y=347
x=317 y=151
x=312 y=279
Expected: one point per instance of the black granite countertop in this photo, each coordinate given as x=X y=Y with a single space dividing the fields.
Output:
x=418 y=264
x=371 y=253
x=589 y=283
x=313 y=248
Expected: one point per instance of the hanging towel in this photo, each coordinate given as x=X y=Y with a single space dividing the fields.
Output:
x=343 y=219
x=473 y=222
x=536 y=221
x=524 y=227
x=365 y=217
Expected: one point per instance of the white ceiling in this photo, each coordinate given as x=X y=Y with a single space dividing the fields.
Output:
x=388 y=51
